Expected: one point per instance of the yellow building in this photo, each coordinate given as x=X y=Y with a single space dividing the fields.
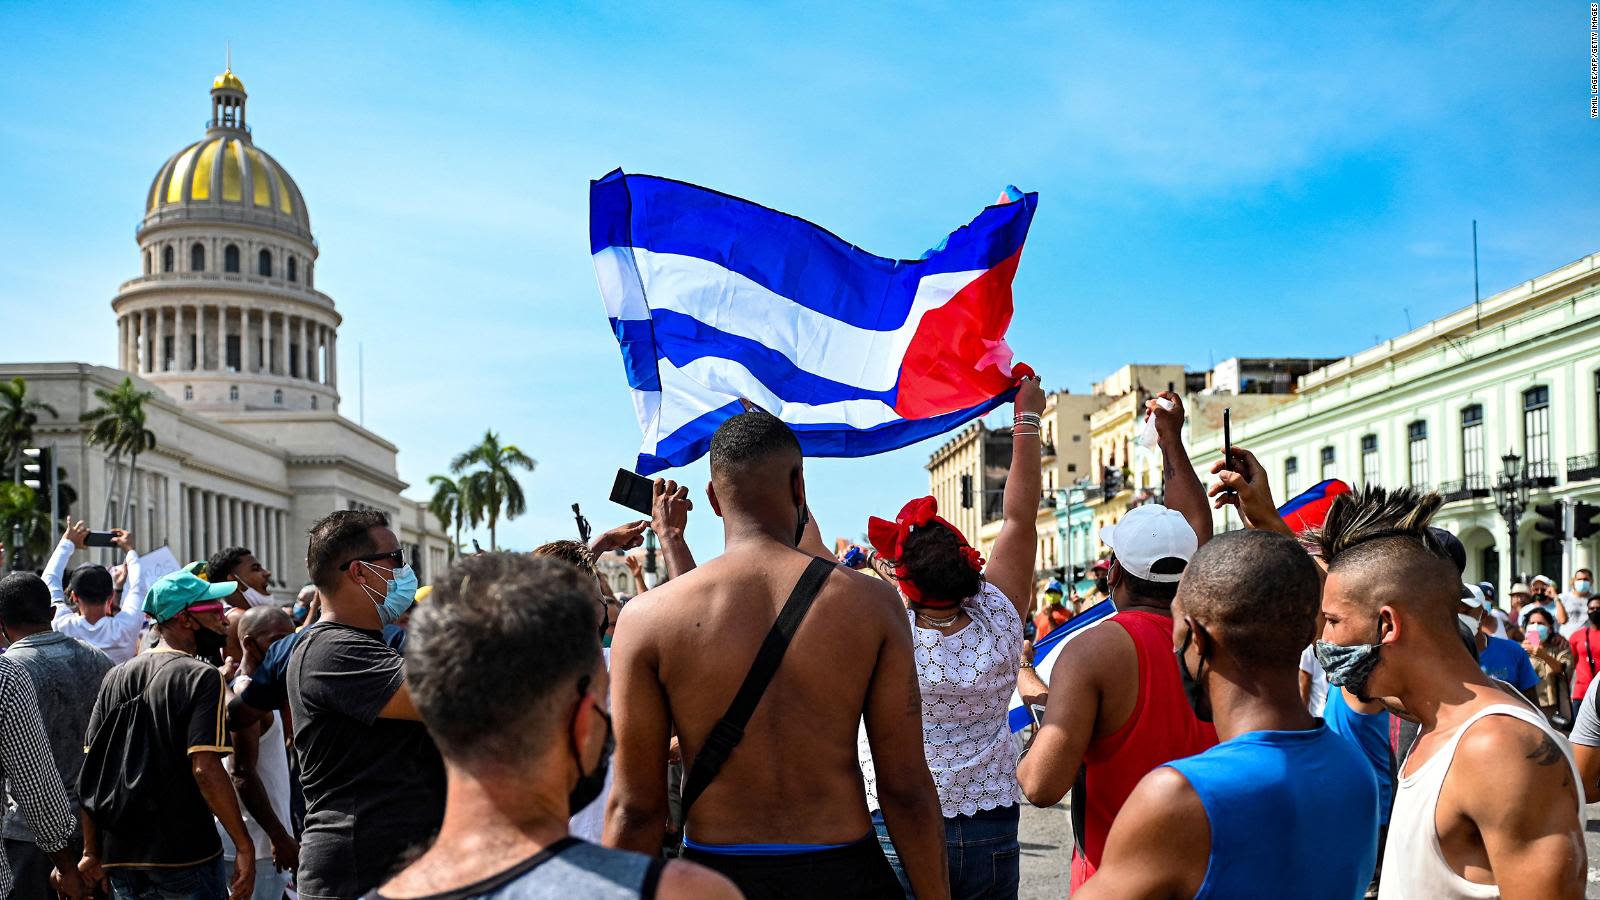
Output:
x=1127 y=476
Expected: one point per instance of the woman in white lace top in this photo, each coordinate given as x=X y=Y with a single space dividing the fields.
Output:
x=966 y=621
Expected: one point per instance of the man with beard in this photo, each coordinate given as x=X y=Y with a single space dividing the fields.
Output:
x=151 y=830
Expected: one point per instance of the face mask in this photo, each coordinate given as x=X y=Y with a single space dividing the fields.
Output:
x=1193 y=690
x=255 y=597
x=1543 y=631
x=208 y=645
x=800 y=530
x=1468 y=620
x=401 y=594
x=591 y=783
x=1350 y=667
x=1583 y=587
x=1594 y=618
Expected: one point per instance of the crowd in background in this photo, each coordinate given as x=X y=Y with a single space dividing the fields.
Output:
x=1253 y=713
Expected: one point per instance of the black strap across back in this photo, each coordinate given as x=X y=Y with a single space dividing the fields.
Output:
x=729 y=730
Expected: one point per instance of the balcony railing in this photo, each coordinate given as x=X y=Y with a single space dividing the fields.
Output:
x=1542 y=473
x=1047 y=450
x=1472 y=487
x=1583 y=468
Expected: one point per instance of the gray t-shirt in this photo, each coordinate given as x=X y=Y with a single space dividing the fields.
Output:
x=566 y=869
x=66 y=675
x=1586 y=725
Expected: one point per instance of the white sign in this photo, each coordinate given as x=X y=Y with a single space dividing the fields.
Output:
x=152 y=566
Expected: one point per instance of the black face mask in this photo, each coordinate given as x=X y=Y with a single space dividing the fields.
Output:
x=1594 y=618
x=1102 y=586
x=208 y=645
x=590 y=783
x=1193 y=690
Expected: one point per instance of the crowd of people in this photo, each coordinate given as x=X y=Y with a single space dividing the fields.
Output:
x=1332 y=714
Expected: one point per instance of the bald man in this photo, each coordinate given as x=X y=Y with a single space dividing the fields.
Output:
x=1488 y=796
x=1283 y=804
x=787 y=814
x=260 y=761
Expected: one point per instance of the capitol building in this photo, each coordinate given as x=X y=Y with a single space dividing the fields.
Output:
x=225 y=324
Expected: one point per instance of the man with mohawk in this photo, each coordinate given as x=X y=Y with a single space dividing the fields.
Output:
x=1488 y=803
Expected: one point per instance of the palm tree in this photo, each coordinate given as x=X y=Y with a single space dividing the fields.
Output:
x=19 y=413
x=18 y=511
x=492 y=486
x=119 y=426
x=446 y=507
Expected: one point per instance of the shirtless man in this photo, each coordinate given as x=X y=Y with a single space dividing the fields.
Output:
x=793 y=782
x=1488 y=797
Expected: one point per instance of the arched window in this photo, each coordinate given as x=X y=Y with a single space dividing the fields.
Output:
x=188 y=392
x=233 y=392
x=166 y=259
x=230 y=258
x=197 y=257
x=1291 y=476
x=277 y=396
x=264 y=264
x=147 y=262
x=293 y=265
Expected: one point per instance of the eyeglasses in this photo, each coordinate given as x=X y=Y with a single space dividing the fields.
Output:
x=398 y=557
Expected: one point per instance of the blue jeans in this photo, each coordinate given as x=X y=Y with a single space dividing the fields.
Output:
x=202 y=882
x=985 y=857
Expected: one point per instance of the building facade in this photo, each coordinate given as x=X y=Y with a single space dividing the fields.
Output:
x=1439 y=407
x=225 y=326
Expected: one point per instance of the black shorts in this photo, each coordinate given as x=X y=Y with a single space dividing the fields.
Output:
x=855 y=870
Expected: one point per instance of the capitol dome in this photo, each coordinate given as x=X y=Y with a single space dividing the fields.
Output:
x=225 y=176
x=225 y=315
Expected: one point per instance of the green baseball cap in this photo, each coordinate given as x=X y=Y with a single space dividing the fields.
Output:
x=177 y=591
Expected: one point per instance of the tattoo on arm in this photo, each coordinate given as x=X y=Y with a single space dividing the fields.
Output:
x=1548 y=753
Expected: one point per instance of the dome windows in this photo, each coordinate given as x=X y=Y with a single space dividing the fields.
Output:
x=166 y=259
x=197 y=257
x=230 y=258
x=264 y=264
x=293 y=265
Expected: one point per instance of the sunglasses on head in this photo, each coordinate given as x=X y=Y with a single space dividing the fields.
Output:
x=398 y=557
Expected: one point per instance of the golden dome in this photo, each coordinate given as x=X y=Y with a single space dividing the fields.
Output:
x=228 y=80
x=230 y=171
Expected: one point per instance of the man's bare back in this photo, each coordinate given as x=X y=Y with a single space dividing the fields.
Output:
x=683 y=649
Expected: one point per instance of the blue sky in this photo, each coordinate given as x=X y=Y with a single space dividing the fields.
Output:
x=1255 y=179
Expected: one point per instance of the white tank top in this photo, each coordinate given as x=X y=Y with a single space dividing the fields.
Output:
x=1413 y=862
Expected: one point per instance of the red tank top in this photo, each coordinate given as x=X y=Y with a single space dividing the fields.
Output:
x=1161 y=728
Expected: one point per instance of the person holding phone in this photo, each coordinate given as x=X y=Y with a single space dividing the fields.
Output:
x=90 y=589
x=1551 y=656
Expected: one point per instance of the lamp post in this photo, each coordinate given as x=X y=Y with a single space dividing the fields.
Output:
x=1511 y=499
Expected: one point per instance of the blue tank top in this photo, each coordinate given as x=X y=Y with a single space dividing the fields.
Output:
x=1292 y=814
x=1369 y=732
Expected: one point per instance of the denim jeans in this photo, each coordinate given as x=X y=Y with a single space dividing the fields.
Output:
x=984 y=855
x=202 y=882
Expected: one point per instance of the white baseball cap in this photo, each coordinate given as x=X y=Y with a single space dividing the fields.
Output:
x=1149 y=533
x=1543 y=579
x=1472 y=595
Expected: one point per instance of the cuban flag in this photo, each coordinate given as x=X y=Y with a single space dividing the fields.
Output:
x=717 y=302
x=1047 y=651
x=1310 y=509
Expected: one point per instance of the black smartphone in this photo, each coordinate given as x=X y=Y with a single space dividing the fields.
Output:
x=475 y=547
x=636 y=492
x=99 y=539
x=1227 y=439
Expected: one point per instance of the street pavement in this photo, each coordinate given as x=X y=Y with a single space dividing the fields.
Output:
x=1046 y=837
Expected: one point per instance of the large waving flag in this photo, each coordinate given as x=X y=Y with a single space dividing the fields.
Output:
x=716 y=300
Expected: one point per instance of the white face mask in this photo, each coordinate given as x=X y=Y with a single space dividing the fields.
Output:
x=1470 y=621
x=255 y=597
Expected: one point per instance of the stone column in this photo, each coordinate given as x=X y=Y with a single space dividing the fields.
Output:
x=333 y=358
x=199 y=338
x=302 y=356
x=283 y=344
x=194 y=546
x=244 y=339
x=161 y=339
x=222 y=337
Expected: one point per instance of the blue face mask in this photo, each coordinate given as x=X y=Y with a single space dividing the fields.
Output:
x=401 y=594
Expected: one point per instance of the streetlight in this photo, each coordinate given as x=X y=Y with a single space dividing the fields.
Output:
x=1511 y=499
